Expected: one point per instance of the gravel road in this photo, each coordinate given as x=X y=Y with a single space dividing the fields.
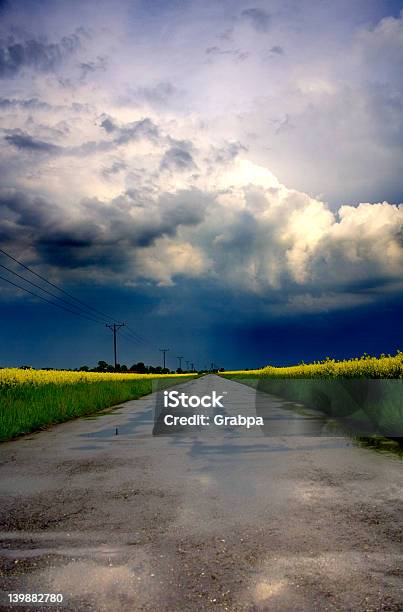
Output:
x=117 y=513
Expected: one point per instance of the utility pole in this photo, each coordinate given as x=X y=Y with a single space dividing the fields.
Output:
x=192 y=366
x=115 y=327
x=164 y=351
x=187 y=366
x=180 y=361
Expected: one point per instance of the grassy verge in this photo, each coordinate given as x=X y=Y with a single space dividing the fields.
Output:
x=365 y=407
x=34 y=400
x=366 y=393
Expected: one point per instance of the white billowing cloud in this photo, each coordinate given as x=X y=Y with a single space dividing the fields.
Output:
x=274 y=237
x=305 y=230
x=324 y=114
x=208 y=153
x=380 y=48
x=237 y=225
x=367 y=241
x=167 y=259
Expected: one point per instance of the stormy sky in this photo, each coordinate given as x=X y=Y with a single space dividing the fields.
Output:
x=225 y=176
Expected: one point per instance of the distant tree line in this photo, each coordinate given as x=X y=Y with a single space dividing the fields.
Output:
x=136 y=368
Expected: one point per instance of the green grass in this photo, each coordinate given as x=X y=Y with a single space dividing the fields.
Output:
x=366 y=406
x=366 y=393
x=25 y=408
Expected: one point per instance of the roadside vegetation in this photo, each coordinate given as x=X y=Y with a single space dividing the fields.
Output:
x=34 y=399
x=364 y=394
x=384 y=366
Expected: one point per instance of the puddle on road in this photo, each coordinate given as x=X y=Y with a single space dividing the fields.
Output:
x=128 y=428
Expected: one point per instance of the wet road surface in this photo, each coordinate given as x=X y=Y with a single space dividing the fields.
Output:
x=119 y=513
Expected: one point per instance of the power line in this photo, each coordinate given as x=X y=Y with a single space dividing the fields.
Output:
x=114 y=327
x=49 y=301
x=136 y=336
x=80 y=310
x=130 y=338
x=108 y=317
x=140 y=338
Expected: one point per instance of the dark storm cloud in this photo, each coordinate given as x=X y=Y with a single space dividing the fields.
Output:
x=108 y=125
x=35 y=104
x=258 y=18
x=121 y=135
x=137 y=130
x=24 y=141
x=27 y=104
x=44 y=57
x=106 y=236
x=184 y=208
x=22 y=215
x=79 y=247
x=144 y=128
x=228 y=153
x=178 y=157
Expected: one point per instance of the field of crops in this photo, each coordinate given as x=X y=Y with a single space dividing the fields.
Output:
x=385 y=366
x=366 y=394
x=34 y=399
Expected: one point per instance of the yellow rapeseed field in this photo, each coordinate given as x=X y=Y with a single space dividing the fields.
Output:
x=34 y=399
x=14 y=376
x=385 y=366
x=365 y=393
